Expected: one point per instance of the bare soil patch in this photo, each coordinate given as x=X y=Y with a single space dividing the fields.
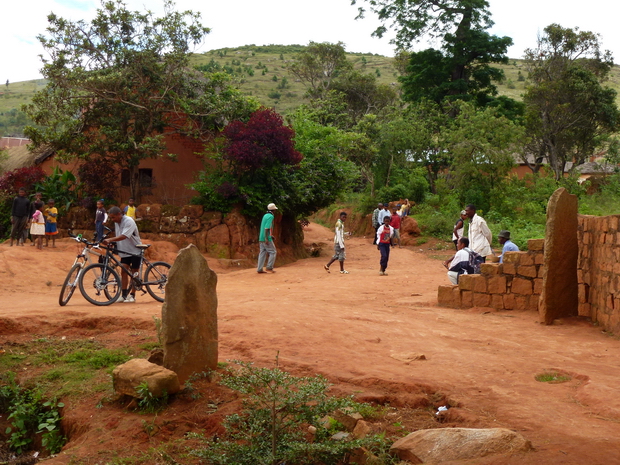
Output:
x=362 y=331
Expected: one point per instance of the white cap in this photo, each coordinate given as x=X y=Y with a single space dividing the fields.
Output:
x=272 y=206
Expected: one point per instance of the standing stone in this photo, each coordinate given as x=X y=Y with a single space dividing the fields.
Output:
x=189 y=316
x=559 y=296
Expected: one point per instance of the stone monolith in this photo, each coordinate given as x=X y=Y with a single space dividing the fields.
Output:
x=559 y=297
x=189 y=316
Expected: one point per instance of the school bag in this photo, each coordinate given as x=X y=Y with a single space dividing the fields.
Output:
x=475 y=260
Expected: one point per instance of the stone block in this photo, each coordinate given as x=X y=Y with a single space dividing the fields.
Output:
x=513 y=257
x=521 y=286
x=509 y=269
x=585 y=309
x=445 y=296
x=587 y=238
x=538 y=285
x=539 y=259
x=533 y=303
x=481 y=300
x=467 y=299
x=536 y=244
x=348 y=418
x=491 y=269
x=509 y=301
x=192 y=211
x=128 y=376
x=527 y=271
x=613 y=223
x=527 y=259
x=522 y=302
x=497 y=301
x=475 y=282
x=541 y=271
x=496 y=285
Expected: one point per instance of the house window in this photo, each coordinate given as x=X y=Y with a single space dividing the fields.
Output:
x=145 y=177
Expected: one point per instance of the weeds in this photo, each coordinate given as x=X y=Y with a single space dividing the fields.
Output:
x=148 y=402
x=552 y=377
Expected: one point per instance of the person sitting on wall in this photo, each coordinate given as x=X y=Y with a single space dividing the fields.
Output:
x=508 y=246
x=459 y=263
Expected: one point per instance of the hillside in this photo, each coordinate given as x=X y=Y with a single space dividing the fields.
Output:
x=260 y=71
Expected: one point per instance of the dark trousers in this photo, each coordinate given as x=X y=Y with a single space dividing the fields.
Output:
x=374 y=240
x=98 y=231
x=385 y=255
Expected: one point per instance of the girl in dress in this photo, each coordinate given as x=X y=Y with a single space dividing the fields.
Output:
x=37 y=226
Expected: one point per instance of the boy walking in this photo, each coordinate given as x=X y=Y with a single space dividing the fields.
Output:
x=339 y=253
x=51 y=230
x=384 y=242
x=265 y=239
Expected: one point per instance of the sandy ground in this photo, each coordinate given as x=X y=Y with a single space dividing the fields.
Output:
x=360 y=329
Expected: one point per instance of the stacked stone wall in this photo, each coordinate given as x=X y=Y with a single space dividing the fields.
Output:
x=598 y=270
x=232 y=237
x=515 y=284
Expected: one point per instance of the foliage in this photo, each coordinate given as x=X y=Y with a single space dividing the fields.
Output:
x=29 y=414
x=273 y=426
x=262 y=163
x=119 y=84
x=570 y=113
x=148 y=402
x=62 y=186
x=27 y=177
x=318 y=65
x=99 y=178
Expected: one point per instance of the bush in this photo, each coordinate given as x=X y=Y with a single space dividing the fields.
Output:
x=392 y=193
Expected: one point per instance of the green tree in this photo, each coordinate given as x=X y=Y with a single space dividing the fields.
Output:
x=482 y=145
x=462 y=69
x=569 y=112
x=318 y=65
x=118 y=84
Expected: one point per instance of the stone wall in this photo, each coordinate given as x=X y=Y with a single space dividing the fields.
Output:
x=598 y=270
x=515 y=284
x=232 y=236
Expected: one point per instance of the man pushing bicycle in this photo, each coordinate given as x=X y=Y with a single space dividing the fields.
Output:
x=127 y=239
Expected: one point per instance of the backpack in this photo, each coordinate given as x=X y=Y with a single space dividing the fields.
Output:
x=475 y=260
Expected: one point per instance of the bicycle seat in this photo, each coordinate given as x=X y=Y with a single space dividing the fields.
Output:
x=143 y=246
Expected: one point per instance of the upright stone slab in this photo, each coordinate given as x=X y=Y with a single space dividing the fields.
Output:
x=189 y=316
x=559 y=297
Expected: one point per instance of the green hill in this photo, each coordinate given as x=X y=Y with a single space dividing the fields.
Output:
x=260 y=71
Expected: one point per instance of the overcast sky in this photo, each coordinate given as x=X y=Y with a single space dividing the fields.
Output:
x=261 y=22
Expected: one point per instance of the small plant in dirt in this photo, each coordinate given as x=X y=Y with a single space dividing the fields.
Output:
x=29 y=414
x=552 y=377
x=148 y=402
x=280 y=421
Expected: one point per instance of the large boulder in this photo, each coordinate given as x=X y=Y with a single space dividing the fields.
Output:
x=409 y=230
x=128 y=376
x=189 y=316
x=442 y=445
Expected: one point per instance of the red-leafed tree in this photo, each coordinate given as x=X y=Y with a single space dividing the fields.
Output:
x=260 y=143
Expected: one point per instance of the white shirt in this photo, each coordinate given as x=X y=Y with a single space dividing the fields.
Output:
x=480 y=236
x=128 y=228
x=460 y=256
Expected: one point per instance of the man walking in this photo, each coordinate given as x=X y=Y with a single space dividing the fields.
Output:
x=479 y=234
x=339 y=253
x=375 y=221
x=384 y=242
x=508 y=246
x=128 y=238
x=20 y=216
x=265 y=239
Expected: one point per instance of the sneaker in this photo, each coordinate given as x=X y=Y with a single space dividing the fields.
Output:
x=326 y=268
x=268 y=270
x=381 y=273
x=261 y=272
x=120 y=299
x=385 y=273
x=129 y=299
x=344 y=272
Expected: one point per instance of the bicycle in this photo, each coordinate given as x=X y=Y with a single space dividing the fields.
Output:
x=100 y=282
x=81 y=261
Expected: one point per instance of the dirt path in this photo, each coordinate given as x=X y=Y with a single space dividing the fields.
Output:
x=359 y=329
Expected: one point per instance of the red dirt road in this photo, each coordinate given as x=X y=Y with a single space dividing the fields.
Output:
x=357 y=329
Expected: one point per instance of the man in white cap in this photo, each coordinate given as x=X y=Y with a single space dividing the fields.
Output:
x=265 y=239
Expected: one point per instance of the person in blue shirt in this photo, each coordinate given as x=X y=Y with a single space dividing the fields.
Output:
x=508 y=245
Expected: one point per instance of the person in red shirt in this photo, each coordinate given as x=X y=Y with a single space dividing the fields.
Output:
x=395 y=223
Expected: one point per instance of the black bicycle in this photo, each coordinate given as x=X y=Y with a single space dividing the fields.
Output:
x=100 y=283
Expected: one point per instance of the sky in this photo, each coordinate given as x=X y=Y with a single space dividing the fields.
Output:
x=261 y=22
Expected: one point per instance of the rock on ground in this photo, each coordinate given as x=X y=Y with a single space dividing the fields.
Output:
x=128 y=376
x=440 y=445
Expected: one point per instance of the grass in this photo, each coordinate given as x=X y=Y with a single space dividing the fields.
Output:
x=552 y=377
x=247 y=63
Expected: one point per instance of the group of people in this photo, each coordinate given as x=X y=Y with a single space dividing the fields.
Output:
x=476 y=246
x=34 y=217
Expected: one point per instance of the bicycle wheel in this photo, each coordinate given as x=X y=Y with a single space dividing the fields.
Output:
x=100 y=285
x=71 y=282
x=155 y=279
